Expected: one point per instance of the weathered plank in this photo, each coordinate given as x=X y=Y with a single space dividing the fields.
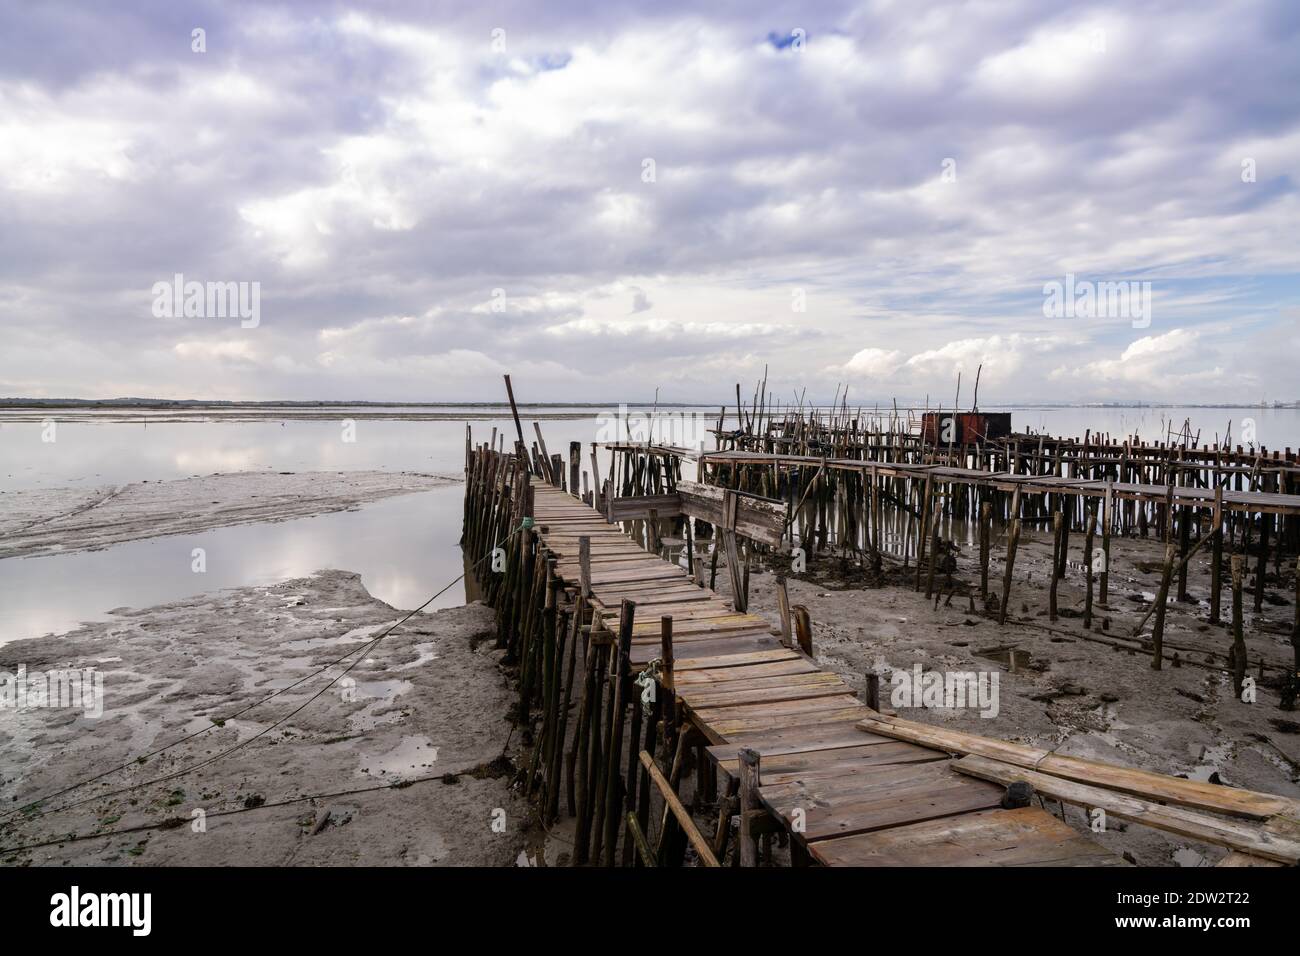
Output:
x=1143 y=783
x=1232 y=834
x=890 y=797
x=1025 y=837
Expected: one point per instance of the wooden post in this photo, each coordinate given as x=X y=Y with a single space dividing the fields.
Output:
x=644 y=855
x=1064 y=550
x=584 y=566
x=1184 y=520
x=872 y=691
x=1295 y=638
x=575 y=466
x=588 y=755
x=1237 y=656
x=553 y=799
x=1261 y=565
x=515 y=412
x=1107 y=516
x=783 y=605
x=986 y=531
x=621 y=682
x=1216 y=559
x=923 y=532
x=674 y=805
x=875 y=519
x=668 y=846
x=1091 y=514
x=666 y=649
x=802 y=628
x=1056 y=563
x=1162 y=599
x=666 y=668
x=1013 y=541
x=734 y=569
x=749 y=784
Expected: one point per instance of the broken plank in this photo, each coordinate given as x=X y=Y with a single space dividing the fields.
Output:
x=1232 y=834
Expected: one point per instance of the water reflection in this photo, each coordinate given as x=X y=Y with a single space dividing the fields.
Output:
x=404 y=548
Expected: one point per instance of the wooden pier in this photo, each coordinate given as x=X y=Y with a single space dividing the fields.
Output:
x=634 y=670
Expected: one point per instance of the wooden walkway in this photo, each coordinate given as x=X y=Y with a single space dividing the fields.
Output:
x=847 y=796
x=1182 y=495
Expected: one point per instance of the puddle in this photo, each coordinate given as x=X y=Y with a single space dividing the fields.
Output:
x=382 y=689
x=359 y=635
x=414 y=756
x=1013 y=659
x=380 y=709
x=1212 y=760
x=426 y=651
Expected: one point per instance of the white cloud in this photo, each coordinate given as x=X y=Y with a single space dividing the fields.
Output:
x=382 y=174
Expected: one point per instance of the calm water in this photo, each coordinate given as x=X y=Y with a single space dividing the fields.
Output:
x=404 y=548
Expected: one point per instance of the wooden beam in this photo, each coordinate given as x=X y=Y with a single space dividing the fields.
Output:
x=1142 y=783
x=1232 y=834
x=674 y=804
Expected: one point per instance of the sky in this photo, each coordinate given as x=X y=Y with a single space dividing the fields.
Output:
x=1093 y=202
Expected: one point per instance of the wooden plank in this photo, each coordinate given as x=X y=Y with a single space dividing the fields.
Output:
x=696 y=619
x=703 y=638
x=648 y=572
x=839 y=762
x=739 y=659
x=1232 y=834
x=758 y=519
x=723 y=729
x=892 y=796
x=724 y=653
x=791 y=740
x=1025 y=837
x=797 y=665
x=770 y=695
x=1155 y=786
x=634 y=507
x=792 y=708
x=1245 y=859
x=775 y=682
x=650 y=598
x=683 y=816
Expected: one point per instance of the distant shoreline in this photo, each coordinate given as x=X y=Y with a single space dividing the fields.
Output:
x=225 y=405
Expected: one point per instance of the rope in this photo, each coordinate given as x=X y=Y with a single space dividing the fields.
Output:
x=172 y=823
x=646 y=681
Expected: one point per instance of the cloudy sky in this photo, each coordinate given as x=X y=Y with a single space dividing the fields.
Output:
x=611 y=197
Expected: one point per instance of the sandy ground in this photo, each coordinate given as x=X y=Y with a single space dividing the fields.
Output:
x=1070 y=692
x=428 y=701
x=61 y=520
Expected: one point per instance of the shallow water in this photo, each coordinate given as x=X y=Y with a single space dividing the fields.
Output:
x=405 y=548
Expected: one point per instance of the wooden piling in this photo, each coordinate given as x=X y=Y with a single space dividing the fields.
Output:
x=1237 y=655
x=1216 y=558
x=1057 y=547
x=749 y=804
x=1162 y=602
x=1013 y=542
